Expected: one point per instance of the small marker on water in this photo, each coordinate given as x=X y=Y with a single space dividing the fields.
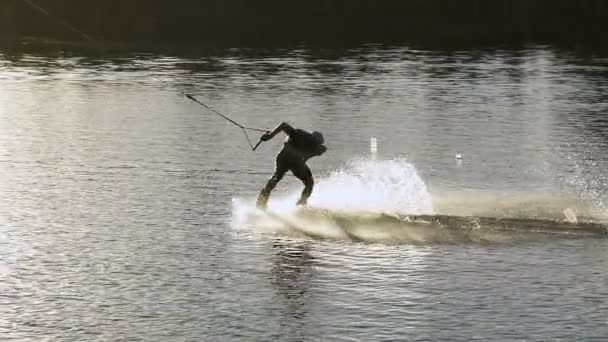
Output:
x=373 y=146
x=458 y=157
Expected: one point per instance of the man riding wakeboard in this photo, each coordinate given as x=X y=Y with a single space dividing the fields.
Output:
x=298 y=148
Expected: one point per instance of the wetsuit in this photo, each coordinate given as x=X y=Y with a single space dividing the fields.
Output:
x=298 y=148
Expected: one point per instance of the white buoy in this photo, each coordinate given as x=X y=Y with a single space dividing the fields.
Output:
x=373 y=146
x=458 y=158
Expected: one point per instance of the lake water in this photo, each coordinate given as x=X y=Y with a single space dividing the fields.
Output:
x=126 y=208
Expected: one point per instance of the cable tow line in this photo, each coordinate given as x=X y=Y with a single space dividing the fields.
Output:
x=243 y=128
x=87 y=37
x=59 y=20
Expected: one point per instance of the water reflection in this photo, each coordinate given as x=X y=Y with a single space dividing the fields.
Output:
x=292 y=277
x=292 y=272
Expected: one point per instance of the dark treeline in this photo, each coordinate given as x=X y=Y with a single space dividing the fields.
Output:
x=313 y=21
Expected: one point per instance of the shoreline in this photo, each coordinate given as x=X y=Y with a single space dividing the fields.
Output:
x=102 y=47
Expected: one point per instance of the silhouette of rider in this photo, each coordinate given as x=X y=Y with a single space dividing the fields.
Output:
x=298 y=148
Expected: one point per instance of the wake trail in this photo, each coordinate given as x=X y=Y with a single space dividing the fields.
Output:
x=387 y=201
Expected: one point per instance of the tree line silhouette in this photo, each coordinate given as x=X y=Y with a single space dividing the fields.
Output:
x=313 y=21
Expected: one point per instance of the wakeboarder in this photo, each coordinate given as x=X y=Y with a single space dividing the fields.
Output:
x=298 y=148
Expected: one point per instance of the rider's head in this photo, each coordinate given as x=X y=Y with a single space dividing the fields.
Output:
x=318 y=137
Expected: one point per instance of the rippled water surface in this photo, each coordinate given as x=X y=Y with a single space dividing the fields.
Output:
x=125 y=205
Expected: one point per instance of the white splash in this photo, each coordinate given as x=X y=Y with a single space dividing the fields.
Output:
x=387 y=186
x=362 y=188
x=382 y=186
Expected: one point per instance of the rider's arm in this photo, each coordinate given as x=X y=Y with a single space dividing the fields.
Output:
x=284 y=126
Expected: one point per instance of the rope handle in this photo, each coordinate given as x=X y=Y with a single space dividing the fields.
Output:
x=243 y=128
